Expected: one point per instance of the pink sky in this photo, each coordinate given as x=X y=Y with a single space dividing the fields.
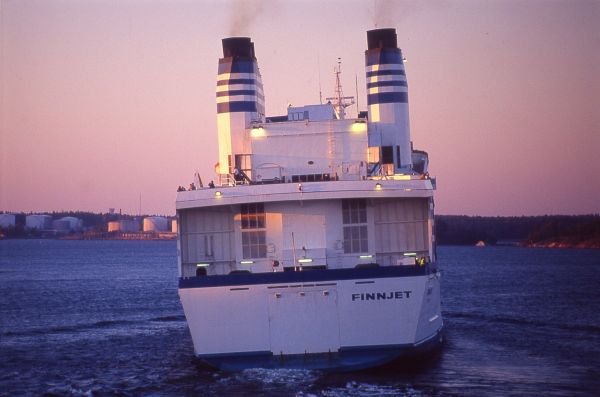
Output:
x=104 y=101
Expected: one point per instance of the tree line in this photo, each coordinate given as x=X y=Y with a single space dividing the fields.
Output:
x=548 y=230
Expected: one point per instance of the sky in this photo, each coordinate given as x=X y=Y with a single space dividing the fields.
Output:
x=111 y=104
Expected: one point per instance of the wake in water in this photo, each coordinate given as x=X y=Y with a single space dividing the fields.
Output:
x=304 y=383
x=358 y=389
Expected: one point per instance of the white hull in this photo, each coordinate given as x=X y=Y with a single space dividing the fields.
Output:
x=313 y=321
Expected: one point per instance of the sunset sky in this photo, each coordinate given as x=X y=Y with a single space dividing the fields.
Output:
x=104 y=101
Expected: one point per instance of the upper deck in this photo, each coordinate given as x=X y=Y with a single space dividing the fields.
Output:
x=405 y=186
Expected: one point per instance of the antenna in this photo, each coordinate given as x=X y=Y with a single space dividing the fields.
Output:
x=356 y=88
x=340 y=102
x=320 y=91
x=198 y=179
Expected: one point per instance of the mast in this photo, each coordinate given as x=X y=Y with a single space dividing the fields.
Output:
x=339 y=101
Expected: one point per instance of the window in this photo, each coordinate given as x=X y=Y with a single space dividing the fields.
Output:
x=254 y=243
x=298 y=116
x=354 y=218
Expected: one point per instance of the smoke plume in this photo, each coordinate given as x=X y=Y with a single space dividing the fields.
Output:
x=243 y=15
x=388 y=13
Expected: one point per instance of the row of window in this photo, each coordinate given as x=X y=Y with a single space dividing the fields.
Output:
x=253 y=222
x=298 y=116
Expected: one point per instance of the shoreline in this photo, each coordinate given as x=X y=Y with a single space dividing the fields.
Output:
x=162 y=236
x=173 y=237
x=563 y=244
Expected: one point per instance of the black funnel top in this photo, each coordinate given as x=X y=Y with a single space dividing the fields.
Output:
x=382 y=38
x=238 y=47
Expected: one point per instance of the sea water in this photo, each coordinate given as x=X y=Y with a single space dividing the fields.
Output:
x=102 y=318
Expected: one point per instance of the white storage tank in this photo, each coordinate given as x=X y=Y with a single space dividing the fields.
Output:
x=155 y=224
x=40 y=222
x=61 y=226
x=68 y=224
x=124 y=225
x=7 y=220
x=114 y=226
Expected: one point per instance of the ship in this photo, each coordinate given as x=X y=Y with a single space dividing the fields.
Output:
x=314 y=246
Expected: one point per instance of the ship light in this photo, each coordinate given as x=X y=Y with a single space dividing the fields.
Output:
x=202 y=264
x=305 y=260
x=358 y=126
x=246 y=262
x=218 y=193
x=257 y=131
x=378 y=186
x=366 y=256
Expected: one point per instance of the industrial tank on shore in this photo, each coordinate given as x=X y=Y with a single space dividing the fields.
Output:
x=155 y=224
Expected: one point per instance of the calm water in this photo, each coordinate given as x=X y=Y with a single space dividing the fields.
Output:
x=102 y=318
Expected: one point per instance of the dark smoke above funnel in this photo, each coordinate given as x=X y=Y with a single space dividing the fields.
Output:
x=381 y=38
x=238 y=47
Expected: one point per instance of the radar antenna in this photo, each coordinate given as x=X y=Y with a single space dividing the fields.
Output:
x=339 y=101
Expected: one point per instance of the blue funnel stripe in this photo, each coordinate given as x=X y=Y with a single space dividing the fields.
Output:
x=228 y=66
x=236 y=92
x=386 y=73
x=393 y=83
x=383 y=57
x=236 y=81
x=387 y=97
x=237 y=106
